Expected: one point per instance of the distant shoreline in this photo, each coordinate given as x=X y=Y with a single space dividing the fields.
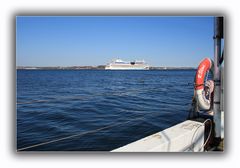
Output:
x=100 y=67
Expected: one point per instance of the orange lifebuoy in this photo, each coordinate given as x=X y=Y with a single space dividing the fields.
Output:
x=200 y=93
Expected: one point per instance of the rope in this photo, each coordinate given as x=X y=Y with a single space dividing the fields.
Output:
x=77 y=135
x=207 y=137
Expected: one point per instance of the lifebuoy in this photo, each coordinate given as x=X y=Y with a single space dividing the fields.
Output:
x=203 y=90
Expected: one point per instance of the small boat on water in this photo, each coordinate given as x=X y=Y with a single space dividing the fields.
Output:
x=119 y=64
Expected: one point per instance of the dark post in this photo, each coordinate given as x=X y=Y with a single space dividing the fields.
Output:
x=218 y=35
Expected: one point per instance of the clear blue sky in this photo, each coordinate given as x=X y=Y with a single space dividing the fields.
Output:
x=70 y=41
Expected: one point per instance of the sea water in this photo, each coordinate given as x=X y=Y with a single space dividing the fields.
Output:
x=103 y=109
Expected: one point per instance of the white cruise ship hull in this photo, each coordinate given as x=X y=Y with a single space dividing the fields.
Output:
x=119 y=64
x=126 y=67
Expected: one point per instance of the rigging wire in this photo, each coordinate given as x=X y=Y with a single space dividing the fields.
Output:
x=77 y=135
x=85 y=133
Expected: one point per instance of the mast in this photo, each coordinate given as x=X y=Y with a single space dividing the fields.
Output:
x=218 y=36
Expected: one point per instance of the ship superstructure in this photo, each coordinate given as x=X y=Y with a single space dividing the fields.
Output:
x=119 y=64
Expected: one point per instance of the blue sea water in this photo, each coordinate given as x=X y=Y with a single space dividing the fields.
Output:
x=98 y=110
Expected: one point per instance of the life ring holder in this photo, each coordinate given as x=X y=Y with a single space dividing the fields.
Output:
x=202 y=89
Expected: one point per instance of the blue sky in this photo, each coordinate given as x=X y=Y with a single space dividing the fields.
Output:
x=72 y=41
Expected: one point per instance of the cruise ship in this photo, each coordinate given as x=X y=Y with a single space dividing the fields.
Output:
x=119 y=64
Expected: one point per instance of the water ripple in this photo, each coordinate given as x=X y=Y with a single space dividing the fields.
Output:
x=53 y=104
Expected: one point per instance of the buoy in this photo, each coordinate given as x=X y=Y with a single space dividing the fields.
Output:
x=203 y=90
